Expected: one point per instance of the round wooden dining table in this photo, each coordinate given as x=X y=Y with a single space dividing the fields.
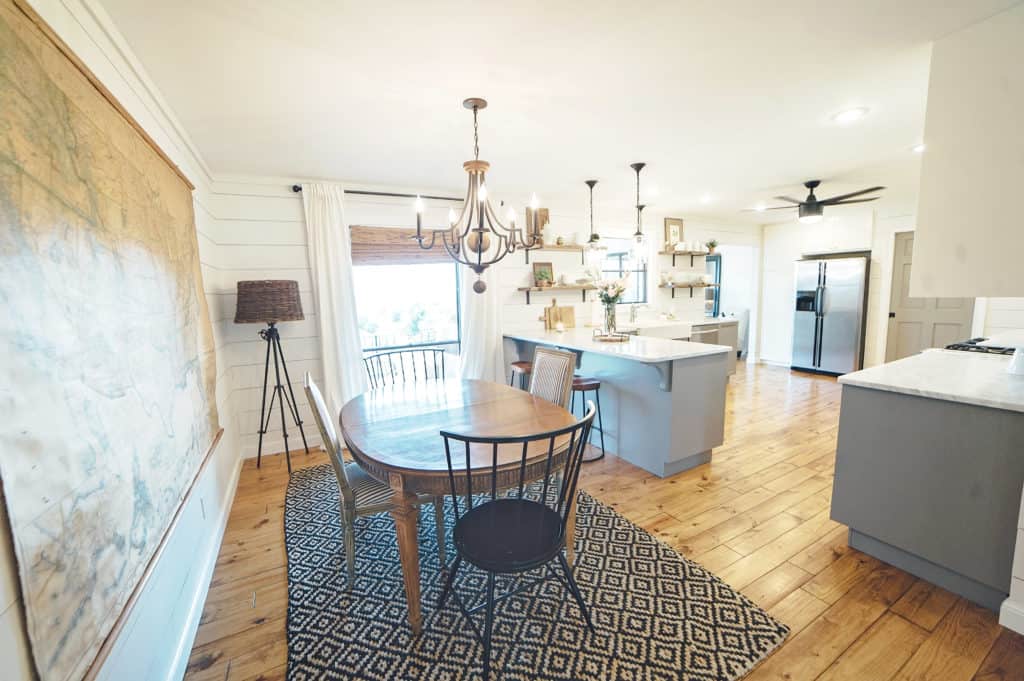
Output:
x=393 y=432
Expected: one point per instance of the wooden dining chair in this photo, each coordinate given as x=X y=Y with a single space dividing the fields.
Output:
x=523 y=528
x=551 y=377
x=404 y=366
x=360 y=493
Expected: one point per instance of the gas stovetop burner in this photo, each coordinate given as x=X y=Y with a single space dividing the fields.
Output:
x=972 y=346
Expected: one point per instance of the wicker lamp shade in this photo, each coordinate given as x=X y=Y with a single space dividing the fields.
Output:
x=268 y=301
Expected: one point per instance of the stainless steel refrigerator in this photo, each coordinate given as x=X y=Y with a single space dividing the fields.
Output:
x=828 y=320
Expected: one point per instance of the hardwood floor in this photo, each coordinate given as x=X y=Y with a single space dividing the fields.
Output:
x=757 y=516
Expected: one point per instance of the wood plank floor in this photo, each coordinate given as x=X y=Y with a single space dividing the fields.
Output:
x=757 y=515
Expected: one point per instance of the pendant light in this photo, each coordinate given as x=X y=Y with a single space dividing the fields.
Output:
x=594 y=253
x=476 y=237
x=639 y=240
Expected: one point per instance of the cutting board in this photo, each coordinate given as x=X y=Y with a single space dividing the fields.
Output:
x=555 y=314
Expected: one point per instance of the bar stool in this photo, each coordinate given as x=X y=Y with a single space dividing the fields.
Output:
x=522 y=369
x=584 y=385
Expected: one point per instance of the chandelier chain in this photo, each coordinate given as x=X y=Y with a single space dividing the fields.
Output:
x=476 y=137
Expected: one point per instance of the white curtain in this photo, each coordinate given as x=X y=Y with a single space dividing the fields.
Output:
x=330 y=264
x=482 y=355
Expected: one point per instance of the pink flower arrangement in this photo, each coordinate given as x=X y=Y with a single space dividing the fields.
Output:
x=610 y=290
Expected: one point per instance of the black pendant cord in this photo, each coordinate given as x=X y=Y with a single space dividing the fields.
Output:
x=280 y=394
x=593 y=237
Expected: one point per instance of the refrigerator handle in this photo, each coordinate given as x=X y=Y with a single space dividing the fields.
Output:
x=819 y=302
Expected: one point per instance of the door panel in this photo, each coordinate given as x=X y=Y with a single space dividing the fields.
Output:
x=803 y=339
x=919 y=323
x=843 y=305
x=805 y=314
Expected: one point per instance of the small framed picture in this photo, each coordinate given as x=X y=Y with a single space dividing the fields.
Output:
x=543 y=274
x=673 y=231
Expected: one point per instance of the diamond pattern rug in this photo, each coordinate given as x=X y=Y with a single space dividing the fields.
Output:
x=658 y=615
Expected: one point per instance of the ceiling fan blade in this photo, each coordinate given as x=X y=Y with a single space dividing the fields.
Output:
x=789 y=198
x=833 y=199
x=843 y=203
x=780 y=208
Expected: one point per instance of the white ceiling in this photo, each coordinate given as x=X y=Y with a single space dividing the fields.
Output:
x=731 y=100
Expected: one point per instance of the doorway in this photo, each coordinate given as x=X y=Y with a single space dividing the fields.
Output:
x=916 y=324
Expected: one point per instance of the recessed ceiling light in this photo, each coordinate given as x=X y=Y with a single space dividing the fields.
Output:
x=706 y=198
x=919 y=148
x=850 y=115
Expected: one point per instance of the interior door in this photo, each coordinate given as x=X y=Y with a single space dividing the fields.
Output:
x=919 y=323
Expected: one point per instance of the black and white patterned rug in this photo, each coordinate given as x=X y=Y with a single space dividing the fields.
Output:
x=658 y=615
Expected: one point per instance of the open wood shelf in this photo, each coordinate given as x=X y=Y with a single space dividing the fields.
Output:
x=565 y=248
x=689 y=286
x=553 y=289
x=692 y=254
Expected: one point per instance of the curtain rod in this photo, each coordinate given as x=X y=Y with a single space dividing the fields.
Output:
x=298 y=188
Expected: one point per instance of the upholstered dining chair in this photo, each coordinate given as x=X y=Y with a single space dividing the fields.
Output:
x=519 y=529
x=360 y=493
x=551 y=377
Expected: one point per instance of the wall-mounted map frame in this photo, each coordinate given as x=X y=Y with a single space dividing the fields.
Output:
x=109 y=371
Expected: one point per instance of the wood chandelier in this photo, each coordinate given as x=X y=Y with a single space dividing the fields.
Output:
x=476 y=237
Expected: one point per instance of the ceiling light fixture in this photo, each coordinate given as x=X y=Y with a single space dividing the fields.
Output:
x=850 y=115
x=595 y=252
x=761 y=207
x=476 y=237
x=639 y=240
x=919 y=148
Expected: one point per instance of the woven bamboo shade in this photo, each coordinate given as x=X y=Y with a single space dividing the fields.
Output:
x=268 y=301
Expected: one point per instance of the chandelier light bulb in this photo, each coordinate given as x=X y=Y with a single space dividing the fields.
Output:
x=451 y=216
x=511 y=215
x=482 y=192
x=419 y=205
x=534 y=203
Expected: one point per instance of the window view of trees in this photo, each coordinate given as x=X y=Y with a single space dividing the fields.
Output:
x=618 y=263
x=403 y=305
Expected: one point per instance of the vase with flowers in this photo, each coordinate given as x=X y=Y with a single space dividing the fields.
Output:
x=609 y=292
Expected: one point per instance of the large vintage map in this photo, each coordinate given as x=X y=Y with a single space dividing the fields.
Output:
x=106 y=356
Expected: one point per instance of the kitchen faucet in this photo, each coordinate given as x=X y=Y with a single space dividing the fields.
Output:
x=633 y=310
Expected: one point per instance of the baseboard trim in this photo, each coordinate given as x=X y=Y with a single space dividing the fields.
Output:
x=176 y=672
x=1011 y=615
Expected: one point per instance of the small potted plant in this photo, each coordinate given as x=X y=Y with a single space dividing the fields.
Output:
x=543 y=278
x=711 y=245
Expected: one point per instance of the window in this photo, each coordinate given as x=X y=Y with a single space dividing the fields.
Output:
x=407 y=305
x=618 y=263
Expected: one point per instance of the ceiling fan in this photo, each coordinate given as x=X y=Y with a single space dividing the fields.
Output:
x=811 y=209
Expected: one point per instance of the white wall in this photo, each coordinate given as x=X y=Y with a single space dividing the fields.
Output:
x=970 y=237
x=157 y=636
x=1003 y=314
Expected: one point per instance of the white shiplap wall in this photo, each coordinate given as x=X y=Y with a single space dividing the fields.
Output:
x=157 y=636
x=1003 y=314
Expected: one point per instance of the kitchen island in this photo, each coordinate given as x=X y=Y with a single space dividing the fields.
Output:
x=662 y=400
x=929 y=468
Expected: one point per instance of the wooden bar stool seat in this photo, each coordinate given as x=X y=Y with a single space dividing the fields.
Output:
x=521 y=369
x=584 y=384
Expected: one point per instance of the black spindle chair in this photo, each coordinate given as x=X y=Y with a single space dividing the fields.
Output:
x=522 y=528
x=404 y=366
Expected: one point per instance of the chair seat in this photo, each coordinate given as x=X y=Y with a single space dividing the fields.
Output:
x=509 y=535
x=584 y=384
x=522 y=367
x=369 y=492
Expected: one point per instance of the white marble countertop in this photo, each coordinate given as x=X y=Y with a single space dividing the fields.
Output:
x=638 y=348
x=952 y=375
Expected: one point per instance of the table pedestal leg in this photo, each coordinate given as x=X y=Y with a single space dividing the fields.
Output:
x=406 y=513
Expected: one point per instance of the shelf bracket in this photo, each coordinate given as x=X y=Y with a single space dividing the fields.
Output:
x=526 y=252
x=673 y=289
x=527 y=295
x=691 y=292
x=584 y=295
x=664 y=370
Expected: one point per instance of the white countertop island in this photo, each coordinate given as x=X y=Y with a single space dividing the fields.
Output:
x=929 y=468
x=662 y=401
x=953 y=375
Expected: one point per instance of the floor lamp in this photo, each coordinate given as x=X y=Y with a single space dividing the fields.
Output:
x=269 y=302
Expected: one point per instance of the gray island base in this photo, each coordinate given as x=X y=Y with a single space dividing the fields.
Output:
x=929 y=470
x=662 y=401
